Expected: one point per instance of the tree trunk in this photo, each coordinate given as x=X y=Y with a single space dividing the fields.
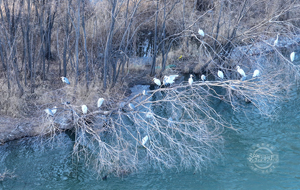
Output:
x=77 y=32
x=108 y=43
x=152 y=72
x=85 y=52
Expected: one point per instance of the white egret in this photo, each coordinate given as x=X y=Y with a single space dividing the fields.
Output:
x=201 y=32
x=131 y=106
x=276 y=41
x=100 y=102
x=292 y=56
x=144 y=92
x=84 y=109
x=54 y=109
x=169 y=79
x=157 y=81
x=65 y=80
x=241 y=71
x=49 y=112
x=149 y=115
x=220 y=74
x=191 y=79
x=255 y=73
x=203 y=78
x=144 y=140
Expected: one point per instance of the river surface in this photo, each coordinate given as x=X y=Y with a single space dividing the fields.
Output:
x=39 y=166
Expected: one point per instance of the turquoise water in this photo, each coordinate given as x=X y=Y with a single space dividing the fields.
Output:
x=45 y=167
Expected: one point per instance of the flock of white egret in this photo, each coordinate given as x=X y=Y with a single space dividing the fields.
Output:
x=167 y=80
x=170 y=79
x=292 y=55
x=84 y=109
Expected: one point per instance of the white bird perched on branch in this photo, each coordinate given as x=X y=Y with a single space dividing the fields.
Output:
x=54 y=109
x=203 y=78
x=49 y=112
x=276 y=41
x=220 y=74
x=255 y=73
x=100 y=102
x=157 y=81
x=169 y=79
x=241 y=71
x=201 y=32
x=131 y=106
x=84 y=109
x=292 y=56
x=191 y=79
x=149 y=115
x=144 y=92
x=144 y=140
x=65 y=80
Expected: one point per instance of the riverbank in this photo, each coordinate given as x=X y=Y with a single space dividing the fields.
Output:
x=13 y=128
x=16 y=128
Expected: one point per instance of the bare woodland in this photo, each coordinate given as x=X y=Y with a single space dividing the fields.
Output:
x=91 y=44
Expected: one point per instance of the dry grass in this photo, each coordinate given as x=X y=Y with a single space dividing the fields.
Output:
x=110 y=138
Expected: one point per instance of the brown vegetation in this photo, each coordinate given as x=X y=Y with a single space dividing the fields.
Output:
x=93 y=45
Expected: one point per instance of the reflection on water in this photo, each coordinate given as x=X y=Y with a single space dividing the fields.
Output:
x=43 y=167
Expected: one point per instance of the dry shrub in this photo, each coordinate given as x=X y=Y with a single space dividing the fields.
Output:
x=110 y=138
x=183 y=127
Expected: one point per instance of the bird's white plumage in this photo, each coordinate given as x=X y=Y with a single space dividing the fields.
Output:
x=169 y=79
x=54 y=109
x=191 y=80
x=144 y=92
x=149 y=115
x=84 y=109
x=172 y=77
x=201 y=32
x=203 y=77
x=144 y=140
x=48 y=111
x=65 y=80
x=292 y=56
x=157 y=81
x=100 y=102
x=276 y=41
x=255 y=73
x=220 y=74
x=241 y=71
x=131 y=106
